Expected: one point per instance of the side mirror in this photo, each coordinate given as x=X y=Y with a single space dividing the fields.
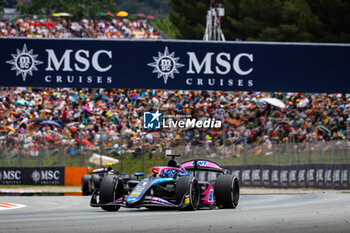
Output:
x=137 y=174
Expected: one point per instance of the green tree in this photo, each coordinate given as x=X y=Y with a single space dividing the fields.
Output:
x=189 y=17
x=39 y=7
x=148 y=7
x=334 y=16
x=268 y=20
x=2 y=7
x=78 y=8
x=166 y=28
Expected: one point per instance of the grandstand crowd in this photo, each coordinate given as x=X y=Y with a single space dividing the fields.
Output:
x=113 y=118
x=114 y=28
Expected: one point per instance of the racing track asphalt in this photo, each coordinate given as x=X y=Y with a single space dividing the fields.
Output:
x=255 y=213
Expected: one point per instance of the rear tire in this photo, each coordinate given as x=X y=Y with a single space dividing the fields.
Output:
x=86 y=185
x=227 y=191
x=95 y=180
x=111 y=189
x=188 y=184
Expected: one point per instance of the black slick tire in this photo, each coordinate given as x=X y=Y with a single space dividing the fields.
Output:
x=188 y=184
x=227 y=191
x=95 y=180
x=86 y=185
x=111 y=189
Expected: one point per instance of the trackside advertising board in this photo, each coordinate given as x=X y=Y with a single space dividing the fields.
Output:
x=334 y=176
x=32 y=175
x=197 y=65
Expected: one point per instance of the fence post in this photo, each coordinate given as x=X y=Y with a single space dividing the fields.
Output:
x=262 y=154
x=164 y=157
x=274 y=153
x=61 y=153
x=286 y=147
x=332 y=152
x=294 y=153
x=231 y=154
x=100 y=151
x=19 y=156
x=142 y=153
x=2 y=155
x=310 y=159
x=279 y=154
x=40 y=159
x=7 y=154
x=321 y=152
x=245 y=154
x=344 y=151
x=298 y=153
x=121 y=163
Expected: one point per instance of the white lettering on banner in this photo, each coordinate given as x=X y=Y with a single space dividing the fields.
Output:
x=319 y=175
x=274 y=176
x=49 y=175
x=336 y=175
x=292 y=175
x=78 y=79
x=219 y=82
x=82 y=63
x=11 y=175
x=246 y=175
x=95 y=63
x=328 y=175
x=198 y=67
x=82 y=60
x=310 y=174
x=221 y=62
x=265 y=175
x=344 y=175
x=236 y=62
x=256 y=175
x=57 y=64
x=284 y=175
x=301 y=175
x=189 y=81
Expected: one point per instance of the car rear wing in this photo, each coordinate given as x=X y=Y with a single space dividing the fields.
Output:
x=204 y=165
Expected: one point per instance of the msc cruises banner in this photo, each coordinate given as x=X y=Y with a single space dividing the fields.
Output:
x=197 y=65
x=336 y=176
x=32 y=175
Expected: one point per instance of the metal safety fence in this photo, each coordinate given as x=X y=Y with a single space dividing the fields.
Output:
x=143 y=152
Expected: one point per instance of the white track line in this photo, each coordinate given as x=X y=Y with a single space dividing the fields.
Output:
x=8 y=206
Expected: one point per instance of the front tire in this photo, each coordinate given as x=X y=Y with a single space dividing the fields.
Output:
x=111 y=189
x=187 y=185
x=86 y=185
x=227 y=191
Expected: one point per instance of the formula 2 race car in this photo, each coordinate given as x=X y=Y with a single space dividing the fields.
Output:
x=92 y=181
x=189 y=186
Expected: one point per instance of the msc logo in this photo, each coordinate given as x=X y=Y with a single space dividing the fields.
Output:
x=151 y=120
x=166 y=65
x=24 y=62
